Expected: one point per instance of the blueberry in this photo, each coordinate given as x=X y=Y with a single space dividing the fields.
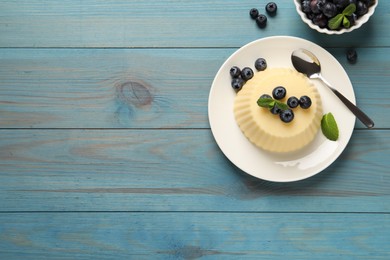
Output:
x=246 y=73
x=320 y=20
x=237 y=83
x=292 y=102
x=265 y=96
x=276 y=110
x=279 y=92
x=305 y=102
x=329 y=10
x=352 y=19
x=310 y=16
x=341 y=4
x=352 y=2
x=368 y=2
x=314 y=7
x=271 y=8
x=235 y=72
x=361 y=8
x=352 y=56
x=286 y=115
x=260 y=64
x=254 y=13
x=261 y=20
x=321 y=4
x=306 y=6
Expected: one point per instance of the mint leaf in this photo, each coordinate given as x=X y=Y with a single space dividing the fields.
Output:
x=270 y=103
x=335 y=22
x=329 y=127
x=266 y=102
x=281 y=105
x=349 y=10
x=346 y=22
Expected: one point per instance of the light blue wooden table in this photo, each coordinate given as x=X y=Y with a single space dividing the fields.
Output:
x=106 y=150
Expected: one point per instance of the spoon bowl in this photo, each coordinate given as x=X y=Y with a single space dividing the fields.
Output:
x=307 y=63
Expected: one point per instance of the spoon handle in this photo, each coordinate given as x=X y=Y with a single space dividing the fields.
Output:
x=354 y=109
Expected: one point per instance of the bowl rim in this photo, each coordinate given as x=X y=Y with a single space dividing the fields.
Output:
x=362 y=20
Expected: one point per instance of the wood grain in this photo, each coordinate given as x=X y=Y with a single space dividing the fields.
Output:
x=194 y=235
x=142 y=88
x=175 y=170
x=175 y=23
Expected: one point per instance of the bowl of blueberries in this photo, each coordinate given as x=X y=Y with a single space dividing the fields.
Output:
x=335 y=16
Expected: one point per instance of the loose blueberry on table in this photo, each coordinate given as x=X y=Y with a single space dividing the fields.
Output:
x=352 y=56
x=271 y=8
x=254 y=12
x=261 y=20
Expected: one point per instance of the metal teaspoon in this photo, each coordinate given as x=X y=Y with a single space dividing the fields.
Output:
x=307 y=63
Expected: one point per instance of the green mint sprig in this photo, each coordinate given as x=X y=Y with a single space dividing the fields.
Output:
x=336 y=21
x=269 y=103
x=329 y=127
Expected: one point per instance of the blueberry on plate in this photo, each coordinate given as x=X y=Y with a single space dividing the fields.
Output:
x=237 y=83
x=261 y=20
x=260 y=64
x=286 y=115
x=246 y=73
x=254 y=13
x=235 y=72
x=292 y=102
x=305 y=102
x=279 y=92
x=271 y=8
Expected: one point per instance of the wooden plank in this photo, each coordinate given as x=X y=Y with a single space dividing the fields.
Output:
x=106 y=88
x=176 y=170
x=194 y=235
x=142 y=88
x=202 y=23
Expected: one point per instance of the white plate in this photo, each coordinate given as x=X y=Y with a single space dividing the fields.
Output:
x=280 y=167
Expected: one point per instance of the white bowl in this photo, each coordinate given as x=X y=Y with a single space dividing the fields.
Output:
x=359 y=22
